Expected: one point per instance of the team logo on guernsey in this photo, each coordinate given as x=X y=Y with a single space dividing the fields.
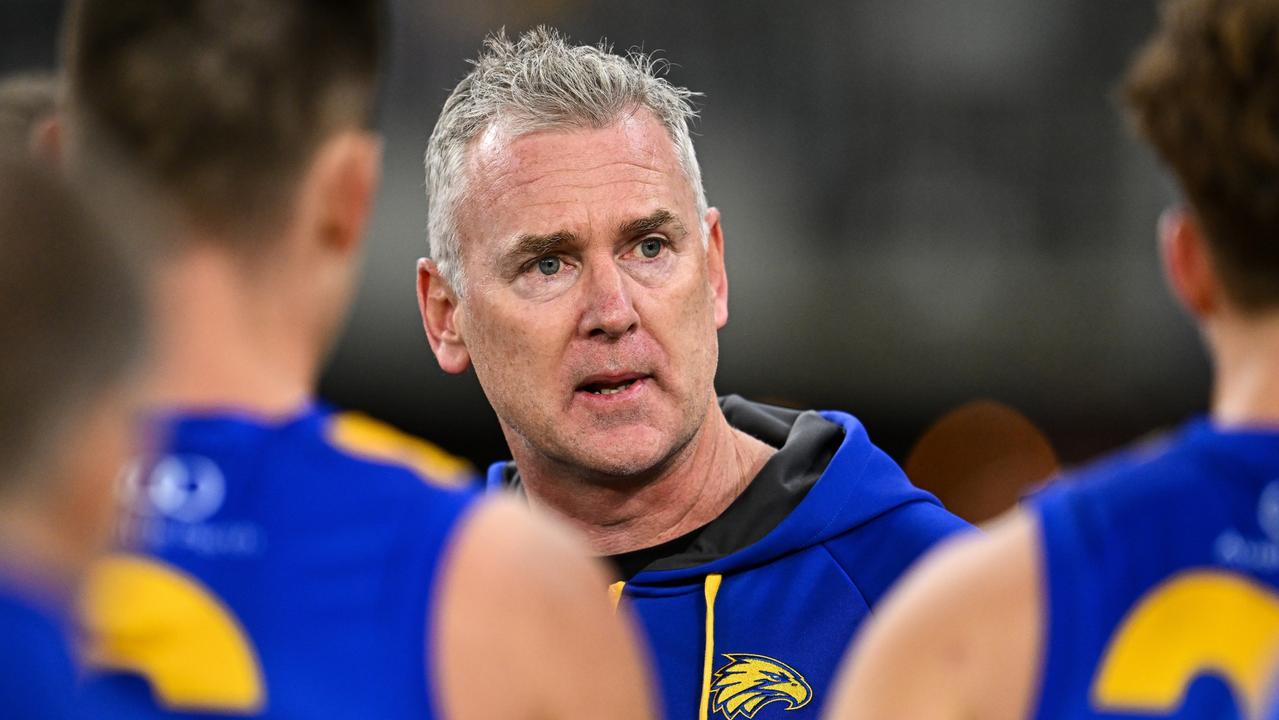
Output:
x=749 y=682
x=1235 y=549
x=174 y=501
x=1268 y=511
x=187 y=488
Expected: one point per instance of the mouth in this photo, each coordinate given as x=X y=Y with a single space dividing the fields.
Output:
x=611 y=385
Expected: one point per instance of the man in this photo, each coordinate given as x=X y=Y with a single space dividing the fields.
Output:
x=289 y=561
x=71 y=328
x=578 y=268
x=1146 y=585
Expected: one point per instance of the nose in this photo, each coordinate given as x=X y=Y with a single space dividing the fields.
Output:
x=609 y=311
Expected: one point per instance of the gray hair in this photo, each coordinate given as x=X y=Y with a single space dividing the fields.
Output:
x=541 y=82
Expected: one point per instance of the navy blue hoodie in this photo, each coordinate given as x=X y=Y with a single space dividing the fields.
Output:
x=749 y=616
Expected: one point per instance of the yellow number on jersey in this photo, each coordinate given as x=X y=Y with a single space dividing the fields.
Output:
x=1195 y=623
x=145 y=617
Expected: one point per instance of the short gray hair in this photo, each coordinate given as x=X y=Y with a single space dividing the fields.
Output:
x=541 y=82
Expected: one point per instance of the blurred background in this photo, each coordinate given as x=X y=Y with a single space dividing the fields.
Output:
x=926 y=202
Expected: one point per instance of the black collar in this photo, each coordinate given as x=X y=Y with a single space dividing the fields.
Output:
x=806 y=442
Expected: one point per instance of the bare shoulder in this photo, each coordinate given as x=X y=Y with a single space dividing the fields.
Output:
x=958 y=638
x=520 y=600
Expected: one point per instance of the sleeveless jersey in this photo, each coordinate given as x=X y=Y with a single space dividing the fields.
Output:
x=37 y=680
x=1162 y=580
x=273 y=570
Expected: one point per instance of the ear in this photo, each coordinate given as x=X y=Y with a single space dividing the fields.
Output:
x=1188 y=264
x=438 y=305
x=339 y=190
x=715 y=269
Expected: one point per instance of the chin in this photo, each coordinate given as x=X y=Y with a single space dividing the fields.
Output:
x=620 y=468
x=624 y=453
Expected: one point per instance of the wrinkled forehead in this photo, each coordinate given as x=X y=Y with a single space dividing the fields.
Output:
x=520 y=181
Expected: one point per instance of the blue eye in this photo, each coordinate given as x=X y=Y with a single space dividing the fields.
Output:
x=548 y=265
x=650 y=247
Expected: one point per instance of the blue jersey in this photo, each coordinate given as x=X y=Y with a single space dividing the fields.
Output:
x=750 y=619
x=276 y=570
x=37 y=680
x=1162 y=569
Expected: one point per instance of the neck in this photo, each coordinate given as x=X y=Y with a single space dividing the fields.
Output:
x=685 y=493
x=1246 y=370
x=229 y=336
x=41 y=549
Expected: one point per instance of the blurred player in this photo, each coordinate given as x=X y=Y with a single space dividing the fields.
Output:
x=289 y=561
x=1145 y=585
x=580 y=270
x=70 y=324
x=28 y=113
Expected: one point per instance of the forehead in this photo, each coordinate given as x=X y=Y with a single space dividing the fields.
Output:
x=552 y=179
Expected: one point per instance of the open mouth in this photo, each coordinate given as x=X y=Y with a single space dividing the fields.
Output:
x=605 y=385
x=601 y=389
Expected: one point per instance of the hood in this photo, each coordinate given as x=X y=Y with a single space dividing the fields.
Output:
x=825 y=479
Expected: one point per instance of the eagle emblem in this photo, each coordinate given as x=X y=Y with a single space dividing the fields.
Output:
x=749 y=682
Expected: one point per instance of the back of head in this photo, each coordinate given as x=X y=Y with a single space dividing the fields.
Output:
x=1205 y=93
x=218 y=105
x=542 y=82
x=70 y=316
x=25 y=100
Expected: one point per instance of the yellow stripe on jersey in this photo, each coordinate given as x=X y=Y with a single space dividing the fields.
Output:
x=364 y=437
x=1196 y=623
x=146 y=617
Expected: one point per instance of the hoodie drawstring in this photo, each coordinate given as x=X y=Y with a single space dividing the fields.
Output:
x=711 y=589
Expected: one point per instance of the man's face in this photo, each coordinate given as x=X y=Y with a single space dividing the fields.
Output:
x=592 y=299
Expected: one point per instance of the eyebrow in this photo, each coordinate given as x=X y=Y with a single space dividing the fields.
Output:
x=535 y=245
x=529 y=245
x=653 y=221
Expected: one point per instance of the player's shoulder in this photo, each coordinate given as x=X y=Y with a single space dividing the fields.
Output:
x=1165 y=468
x=970 y=580
x=502 y=537
x=976 y=575
x=976 y=595
x=1149 y=457
x=316 y=442
x=513 y=583
x=875 y=554
x=369 y=446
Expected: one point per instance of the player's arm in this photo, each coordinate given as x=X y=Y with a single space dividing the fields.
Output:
x=525 y=629
x=958 y=639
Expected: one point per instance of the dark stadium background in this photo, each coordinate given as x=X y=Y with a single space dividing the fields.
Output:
x=925 y=201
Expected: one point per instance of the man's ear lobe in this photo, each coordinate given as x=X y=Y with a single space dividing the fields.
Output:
x=438 y=304
x=340 y=188
x=716 y=271
x=1188 y=264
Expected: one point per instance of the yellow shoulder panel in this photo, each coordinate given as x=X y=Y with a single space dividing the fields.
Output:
x=1199 y=622
x=146 y=617
x=359 y=435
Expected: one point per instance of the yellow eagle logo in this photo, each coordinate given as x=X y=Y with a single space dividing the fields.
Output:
x=749 y=682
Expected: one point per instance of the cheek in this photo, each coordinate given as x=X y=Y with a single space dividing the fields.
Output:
x=684 y=324
x=510 y=348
